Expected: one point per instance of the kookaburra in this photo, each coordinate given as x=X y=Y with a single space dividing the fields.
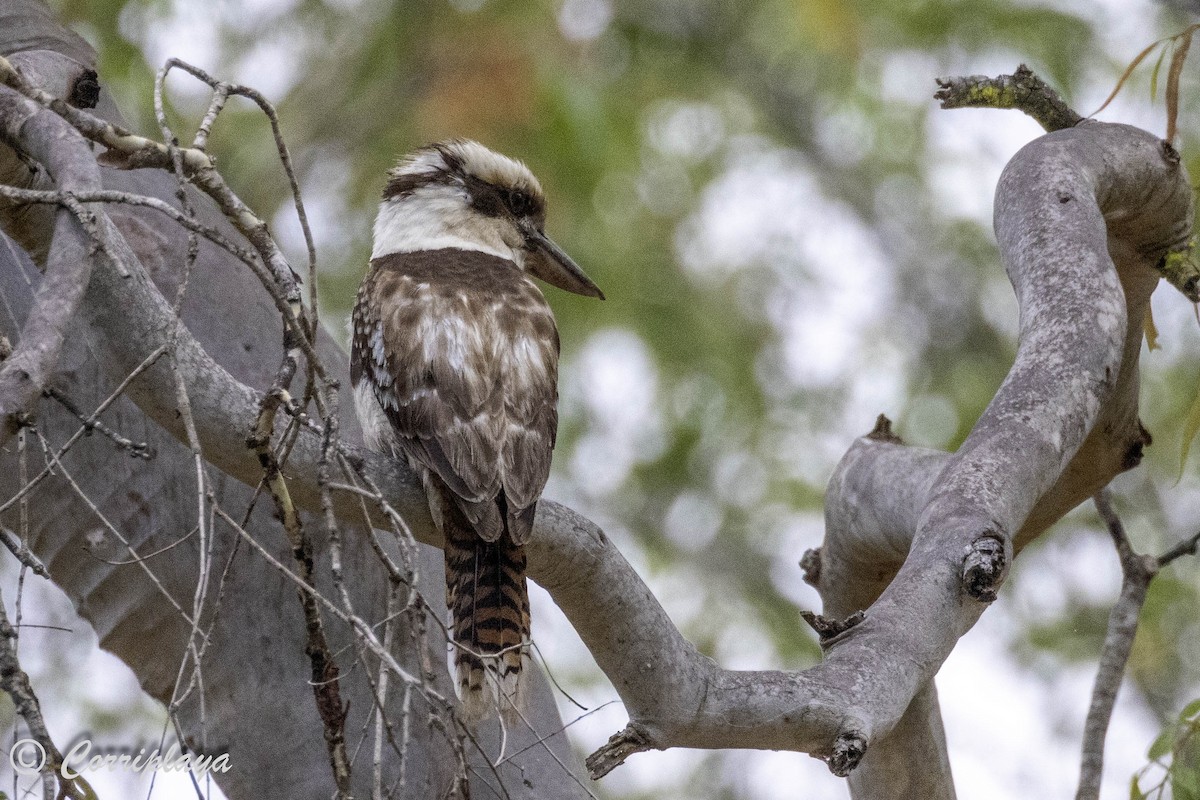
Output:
x=454 y=363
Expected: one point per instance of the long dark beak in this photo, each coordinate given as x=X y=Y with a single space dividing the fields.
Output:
x=547 y=261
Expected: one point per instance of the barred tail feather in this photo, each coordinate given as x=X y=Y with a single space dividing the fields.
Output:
x=489 y=611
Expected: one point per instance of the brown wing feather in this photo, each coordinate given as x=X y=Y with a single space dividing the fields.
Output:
x=462 y=352
x=529 y=372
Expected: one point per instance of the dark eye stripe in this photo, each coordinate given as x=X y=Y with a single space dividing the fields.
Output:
x=494 y=200
x=486 y=199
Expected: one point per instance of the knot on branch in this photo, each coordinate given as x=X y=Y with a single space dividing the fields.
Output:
x=882 y=432
x=1170 y=152
x=985 y=568
x=620 y=746
x=848 y=750
x=1181 y=271
x=1133 y=454
x=85 y=92
x=829 y=629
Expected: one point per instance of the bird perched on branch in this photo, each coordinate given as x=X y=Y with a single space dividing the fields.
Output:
x=454 y=363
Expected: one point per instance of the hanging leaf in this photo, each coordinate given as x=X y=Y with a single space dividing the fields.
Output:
x=1150 y=329
x=1192 y=709
x=1162 y=745
x=1172 y=93
x=1180 y=43
x=1190 y=427
x=1154 y=72
x=1129 y=71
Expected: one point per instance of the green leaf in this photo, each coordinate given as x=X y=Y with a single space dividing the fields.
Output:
x=1191 y=710
x=1185 y=782
x=1135 y=791
x=1154 y=74
x=1138 y=59
x=1191 y=427
x=1162 y=745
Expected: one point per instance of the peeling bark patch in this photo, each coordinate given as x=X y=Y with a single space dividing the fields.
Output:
x=810 y=563
x=829 y=629
x=985 y=568
x=848 y=750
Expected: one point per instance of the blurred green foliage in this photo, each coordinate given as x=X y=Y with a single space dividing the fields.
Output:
x=1174 y=761
x=643 y=121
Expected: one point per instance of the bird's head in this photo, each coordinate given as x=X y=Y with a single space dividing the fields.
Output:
x=460 y=194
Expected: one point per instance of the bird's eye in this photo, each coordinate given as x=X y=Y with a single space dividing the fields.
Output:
x=520 y=203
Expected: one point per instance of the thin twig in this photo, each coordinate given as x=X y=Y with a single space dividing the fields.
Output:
x=111 y=528
x=324 y=666
x=379 y=690
x=552 y=734
x=130 y=151
x=370 y=640
x=1137 y=573
x=147 y=362
x=21 y=550
x=196 y=636
x=15 y=683
x=136 y=449
x=297 y=339
x=1187 y=547
x=221 y=92
x=50 y=197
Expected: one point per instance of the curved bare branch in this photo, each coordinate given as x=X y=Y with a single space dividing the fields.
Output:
x=26 y=372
